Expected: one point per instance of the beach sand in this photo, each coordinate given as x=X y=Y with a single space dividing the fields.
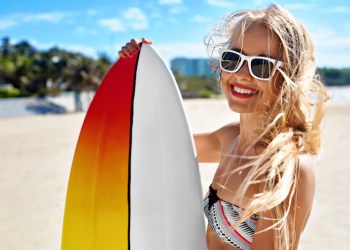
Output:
x=36 y=154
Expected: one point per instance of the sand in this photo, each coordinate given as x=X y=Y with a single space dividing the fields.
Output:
x=36 y=154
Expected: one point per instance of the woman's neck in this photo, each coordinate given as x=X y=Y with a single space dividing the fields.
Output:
x=250 y=130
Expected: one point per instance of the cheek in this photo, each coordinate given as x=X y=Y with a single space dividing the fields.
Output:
x=224 y=76
x=223 y=80
x=270 y=91
x=276 y=86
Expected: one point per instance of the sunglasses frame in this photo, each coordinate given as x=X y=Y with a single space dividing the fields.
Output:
x=277 y=64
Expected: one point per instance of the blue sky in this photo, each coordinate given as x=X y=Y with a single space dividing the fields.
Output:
x=177 y=27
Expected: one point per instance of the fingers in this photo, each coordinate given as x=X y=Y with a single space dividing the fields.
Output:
x=132 y=47
x=129 y=49
x=145 y=40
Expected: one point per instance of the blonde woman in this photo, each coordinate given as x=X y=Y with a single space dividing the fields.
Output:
x=262 y=192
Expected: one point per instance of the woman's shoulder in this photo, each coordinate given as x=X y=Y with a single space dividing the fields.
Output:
x=227 y=135
x=306 y=170
x=306 y=179
x=305 y=190
x=229 y=131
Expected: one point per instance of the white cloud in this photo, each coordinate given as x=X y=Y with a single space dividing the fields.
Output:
x=133 y=18
x=331 y=49
x=173 y=20
x=338 y=9
x=91 y=12
x=221 y=3
x=5 y=24
x=177 y=9
x=112 y=24
x=41 y=46
x=156 y=15
x=171 y=50
x=137 y=20
x=51 y=17
x=262 y=2
x=86 y=50
x=85 y=31
x=338 y=42
x=299 y=6
x=201 y=19
x=336 y=57
x=327 y=37
x=169 y=1
x=18 y=18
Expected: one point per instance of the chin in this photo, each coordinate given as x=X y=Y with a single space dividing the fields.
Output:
x=244 y=109
x=238 y=108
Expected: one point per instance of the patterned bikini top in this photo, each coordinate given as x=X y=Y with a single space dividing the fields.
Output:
x=222 y=216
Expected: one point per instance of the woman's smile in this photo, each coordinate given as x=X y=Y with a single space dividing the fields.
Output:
x=241 y=91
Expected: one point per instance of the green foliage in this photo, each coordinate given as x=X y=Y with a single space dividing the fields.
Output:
x=204 y=93
x=334 y=77
x=35 y=72
x=196 y=86
x=9 y=92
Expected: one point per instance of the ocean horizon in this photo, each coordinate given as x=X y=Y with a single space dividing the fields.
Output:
x=339 y=93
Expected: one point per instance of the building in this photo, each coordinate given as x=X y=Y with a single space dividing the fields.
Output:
x=191 y=67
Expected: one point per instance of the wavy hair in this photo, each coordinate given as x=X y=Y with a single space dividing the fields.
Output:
x=290 y=126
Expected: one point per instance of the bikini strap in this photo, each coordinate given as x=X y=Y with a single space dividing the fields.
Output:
x=213 y=197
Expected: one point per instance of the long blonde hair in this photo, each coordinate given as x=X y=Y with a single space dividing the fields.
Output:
x=290 y=126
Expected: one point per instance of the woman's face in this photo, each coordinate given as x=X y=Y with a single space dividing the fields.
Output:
x=259 y=94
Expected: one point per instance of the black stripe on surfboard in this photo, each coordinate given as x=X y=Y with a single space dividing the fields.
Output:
x=130 y=146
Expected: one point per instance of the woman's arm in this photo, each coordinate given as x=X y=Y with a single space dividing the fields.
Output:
x=211 y=145
x=302 y=203
x=208 y=147
x=305 y=194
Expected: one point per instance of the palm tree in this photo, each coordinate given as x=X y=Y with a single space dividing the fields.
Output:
x=5 y=47
x=81 y=75
x=30 y=70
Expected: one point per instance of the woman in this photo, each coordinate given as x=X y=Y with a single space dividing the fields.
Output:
x=262 y=192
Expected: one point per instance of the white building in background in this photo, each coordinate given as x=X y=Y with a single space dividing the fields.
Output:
x=191 y=67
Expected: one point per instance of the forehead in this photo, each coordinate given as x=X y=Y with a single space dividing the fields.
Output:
x=257 y=40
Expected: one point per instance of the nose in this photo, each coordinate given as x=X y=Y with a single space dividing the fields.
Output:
x=243 y=72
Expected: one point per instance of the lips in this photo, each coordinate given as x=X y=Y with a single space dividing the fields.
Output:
x=242 y=91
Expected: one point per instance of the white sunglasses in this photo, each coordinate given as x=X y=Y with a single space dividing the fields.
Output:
x=260 y=67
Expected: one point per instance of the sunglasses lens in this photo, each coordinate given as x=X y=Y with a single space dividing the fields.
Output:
x=230 y=61
x=261 y=68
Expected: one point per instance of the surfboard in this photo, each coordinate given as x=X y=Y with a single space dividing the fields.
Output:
x=134 y=182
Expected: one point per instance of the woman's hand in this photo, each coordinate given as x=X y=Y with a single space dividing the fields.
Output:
x=132 y=47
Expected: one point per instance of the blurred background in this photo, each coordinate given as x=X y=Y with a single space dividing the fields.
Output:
x=50 y=49
x=54 y=54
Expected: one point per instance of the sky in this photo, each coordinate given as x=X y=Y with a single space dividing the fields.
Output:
x=177 y=27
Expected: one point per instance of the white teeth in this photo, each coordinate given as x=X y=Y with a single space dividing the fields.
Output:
x=244 y=91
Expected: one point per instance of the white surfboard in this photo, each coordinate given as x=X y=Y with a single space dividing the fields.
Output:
x=169 y=198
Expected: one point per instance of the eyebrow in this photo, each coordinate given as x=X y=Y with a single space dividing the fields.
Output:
x=242 y=51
